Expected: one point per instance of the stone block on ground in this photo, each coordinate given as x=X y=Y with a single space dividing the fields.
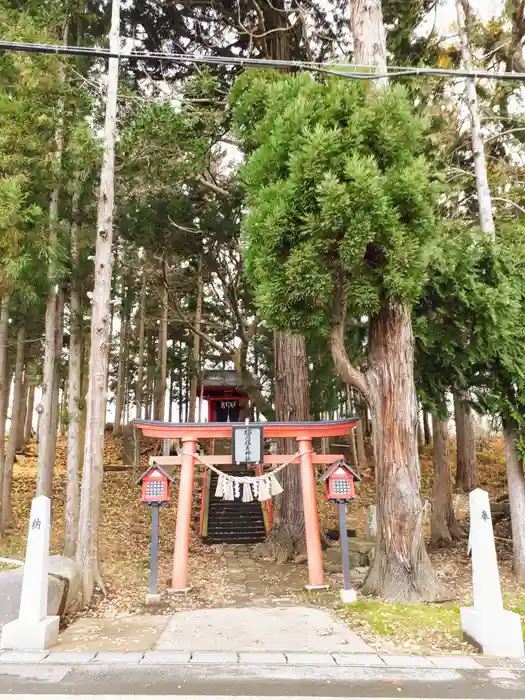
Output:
x=301 y=559
x=358 y=575
x=495 y=633
x=363 y=546
x=330 y=568
x=11 y=590
x=27 y=635
x=333 y=556
x=67 y=571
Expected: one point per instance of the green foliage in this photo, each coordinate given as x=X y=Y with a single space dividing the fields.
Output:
x=337 y=189
x=470 y=321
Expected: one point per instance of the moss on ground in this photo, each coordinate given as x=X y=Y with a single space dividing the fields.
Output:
x=420 y=628
x=389 y=619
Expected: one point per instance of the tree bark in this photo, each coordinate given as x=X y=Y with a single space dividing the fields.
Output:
x=287 y=536
x=4 y=386
x=351 y=411
x=368 y=32
x=401 y=570
x=87 y=548
x=150 y=376
x=444 y=526
x=59 y=344
x=181 y=385
x=140 y=360
x=163 y=350
x=20 y=442
x=516 y=484
x=75 y=396
x=427 y=432
x=121 y=380
x=28 y=428
x=196 y=348
x=45 y=468
x=16 y=415
x=486 y=219
x=360 y=438
x=64 y=401
x=466 y=473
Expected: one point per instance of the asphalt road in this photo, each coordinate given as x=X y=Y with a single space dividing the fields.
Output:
x=222 y=682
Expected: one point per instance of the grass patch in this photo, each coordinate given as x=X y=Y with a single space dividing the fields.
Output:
x=387 y=619
x=13 y=547
x=418 y=629
x=516 y=603
x=423 y=629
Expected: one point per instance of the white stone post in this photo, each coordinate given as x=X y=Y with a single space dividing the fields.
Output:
x=33 y=629
x=487 y=625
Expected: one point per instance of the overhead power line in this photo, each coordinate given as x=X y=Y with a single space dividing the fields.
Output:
x=344 y=70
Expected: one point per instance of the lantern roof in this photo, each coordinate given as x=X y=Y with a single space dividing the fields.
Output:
x=339 y=465
x=154 y=467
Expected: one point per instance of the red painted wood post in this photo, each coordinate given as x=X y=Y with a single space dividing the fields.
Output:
x=180 y=583
x=311 y=517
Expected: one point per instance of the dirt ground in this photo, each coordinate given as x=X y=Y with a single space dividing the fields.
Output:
x=124 y=547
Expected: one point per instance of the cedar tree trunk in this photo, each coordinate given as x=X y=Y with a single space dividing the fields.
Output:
x=92 y=475
x=486 y=218
x=20 y=443
x=161 y=381
x=28 y=428
x=75 y=397
x=420 y=435
x=4 y=384
x=16 y=415
x=59 y=344
x=120 y=388
x=426 y=428
x=196 y=348
x=444 y=525
x=140 y=358
x=401 y=570
x=466 y=475
x=287 y=536
x=516 y=485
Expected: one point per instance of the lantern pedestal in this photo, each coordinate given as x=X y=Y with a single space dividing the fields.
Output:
x=153 y=599
x=318 y=587
x=348 y=596
x=178 y=591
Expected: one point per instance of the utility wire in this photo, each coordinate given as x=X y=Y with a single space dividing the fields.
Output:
x=341 y=69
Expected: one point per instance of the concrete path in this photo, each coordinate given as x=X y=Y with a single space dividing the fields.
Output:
x=134 y=633
x=293 y=629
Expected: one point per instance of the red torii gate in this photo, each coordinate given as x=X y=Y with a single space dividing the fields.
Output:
x=189 y=434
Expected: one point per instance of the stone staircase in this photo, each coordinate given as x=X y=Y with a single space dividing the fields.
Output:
x=234 y=522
